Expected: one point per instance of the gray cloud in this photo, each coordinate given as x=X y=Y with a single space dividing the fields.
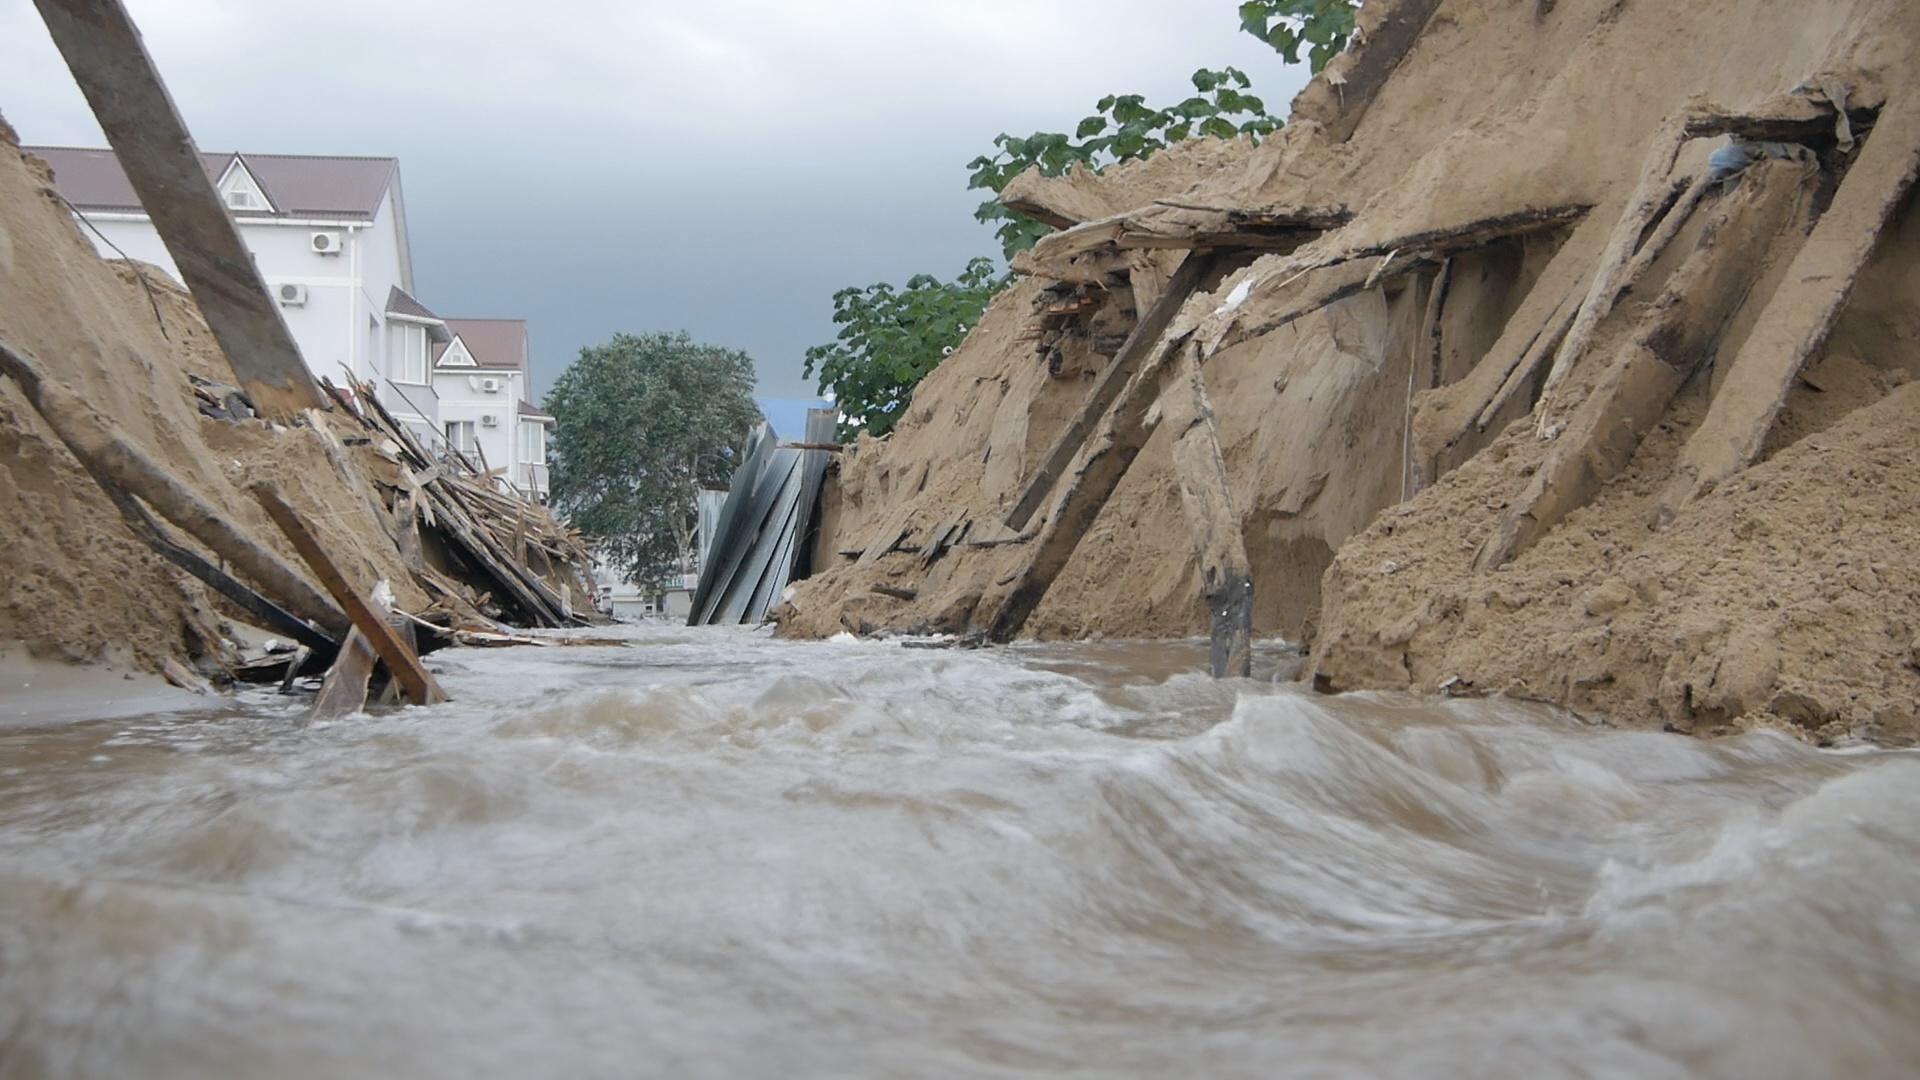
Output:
x=599 y=166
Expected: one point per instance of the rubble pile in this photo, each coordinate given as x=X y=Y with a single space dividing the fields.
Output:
x=138 y=487
x=1555 y=348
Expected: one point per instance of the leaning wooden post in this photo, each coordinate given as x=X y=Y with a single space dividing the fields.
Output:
x=1226 y=576
x=1133 y=352
x=401 y=661
x=103 y=49
x=1097 y=470
x=1804 y=307
x=1637 y=387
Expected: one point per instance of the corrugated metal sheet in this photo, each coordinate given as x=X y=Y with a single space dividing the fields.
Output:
x=760 y=534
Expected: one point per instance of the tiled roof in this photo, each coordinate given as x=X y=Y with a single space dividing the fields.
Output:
x=298 y=185
x=534 y=412
x=500 y=344
x=400 y=303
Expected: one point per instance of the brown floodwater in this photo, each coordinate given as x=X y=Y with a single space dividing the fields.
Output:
x=712 y=854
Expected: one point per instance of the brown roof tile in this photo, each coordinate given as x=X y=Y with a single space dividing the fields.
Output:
x=495 y=343
x=298 y=185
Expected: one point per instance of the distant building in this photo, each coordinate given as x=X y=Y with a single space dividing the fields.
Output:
x=481 y=378
x=329 y=235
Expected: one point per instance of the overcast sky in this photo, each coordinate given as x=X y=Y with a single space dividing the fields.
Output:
x=599 y=165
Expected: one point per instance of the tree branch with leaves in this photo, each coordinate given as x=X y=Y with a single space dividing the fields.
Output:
x=891 y=338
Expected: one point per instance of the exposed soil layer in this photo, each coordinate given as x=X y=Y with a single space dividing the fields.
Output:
x=1392 y=353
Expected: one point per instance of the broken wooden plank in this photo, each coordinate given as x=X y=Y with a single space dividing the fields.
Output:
x=344 y=689
x=1796 y=322
x=896 y=592
x=1652 y=194
x=1097 y=472
x=419 y=684
x=1226 y=576
x=1448 y=415
x=265 y=612
x=1637 y=388
x=1354 y=271
x=184 y=677
x=1524 y=372
x=1152 y=323
x=1341 y=95
x=294 y=663
x=102 y=48
x=1689 y=192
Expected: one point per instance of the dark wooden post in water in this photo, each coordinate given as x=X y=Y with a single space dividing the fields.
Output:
x=1226 y=575
x=103 y=49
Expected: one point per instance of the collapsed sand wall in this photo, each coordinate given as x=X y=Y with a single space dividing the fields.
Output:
x=1498 y=164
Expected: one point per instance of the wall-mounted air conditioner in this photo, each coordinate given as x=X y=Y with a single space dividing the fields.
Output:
x=489 y=420
x=292 y=295
x=490 y=386
x=326 y=243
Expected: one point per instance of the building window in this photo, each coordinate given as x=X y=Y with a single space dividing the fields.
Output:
x=412 y=365
x=533 y=443
x=461 y=437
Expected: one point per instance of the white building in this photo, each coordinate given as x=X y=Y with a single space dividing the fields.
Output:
x=482 y=381
x=329 y=235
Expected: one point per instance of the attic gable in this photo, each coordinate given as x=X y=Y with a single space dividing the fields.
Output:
x=241 y=191
x=456 y=356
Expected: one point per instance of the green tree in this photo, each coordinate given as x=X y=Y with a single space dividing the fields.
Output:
x=640 y=424
x=890 y=338
x=1325 y=26
x=1122 y=127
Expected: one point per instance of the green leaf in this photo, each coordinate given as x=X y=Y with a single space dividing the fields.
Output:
x=1219 y=128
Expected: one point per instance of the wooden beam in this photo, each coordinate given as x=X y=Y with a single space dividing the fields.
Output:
x=103 y=49
x=1226 y=576
x=1153 y=322
x=1803 y=309
x=1364 y=69
x=1652 y=194
x=1096 y=473
x=1637 y=388
x=1689 y=192
x=1354 y=272
x=401 y=661
x=1448 y=415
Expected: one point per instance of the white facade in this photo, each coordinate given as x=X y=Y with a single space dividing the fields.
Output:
x=479 y=407
x=331 y=273
x=482 y=382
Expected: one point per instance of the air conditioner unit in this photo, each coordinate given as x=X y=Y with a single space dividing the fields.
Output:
x=490 y=386
x=326 y=243
x=489 y=420
x=292 y=295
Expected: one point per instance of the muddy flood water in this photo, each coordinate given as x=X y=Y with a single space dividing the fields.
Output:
x=714 y=854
